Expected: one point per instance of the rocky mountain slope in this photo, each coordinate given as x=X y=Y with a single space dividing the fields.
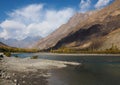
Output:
x=64 y=30
x=98 y=30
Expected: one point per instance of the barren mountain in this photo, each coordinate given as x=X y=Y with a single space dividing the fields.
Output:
x=99 y=30
x=62 y=31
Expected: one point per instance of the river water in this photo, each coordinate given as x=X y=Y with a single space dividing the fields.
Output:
x=96 y=69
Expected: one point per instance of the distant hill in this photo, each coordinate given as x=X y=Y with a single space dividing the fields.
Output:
x=3 y=45
x=25 y=43
x=98 y=30
x=6 y=48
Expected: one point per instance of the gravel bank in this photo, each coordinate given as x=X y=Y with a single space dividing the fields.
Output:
x=17 y=71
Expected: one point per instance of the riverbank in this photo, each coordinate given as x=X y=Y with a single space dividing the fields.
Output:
x=17 y=71
x=73 y=54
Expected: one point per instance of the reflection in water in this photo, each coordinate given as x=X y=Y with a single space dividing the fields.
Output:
x=90 y=74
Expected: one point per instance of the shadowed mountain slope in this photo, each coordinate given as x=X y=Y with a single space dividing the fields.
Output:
x=89 y=30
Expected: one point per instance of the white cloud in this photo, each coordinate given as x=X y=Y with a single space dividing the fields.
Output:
x=27 y=14
x=4 y=34
x=102 y=3
x=12 y=29
x=33 y=20
x=84 y=5
x=9 y=24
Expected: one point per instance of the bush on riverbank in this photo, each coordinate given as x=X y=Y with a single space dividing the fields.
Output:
x=8 y=54
x=112 y=50
x=13 y=49
x=34 y=57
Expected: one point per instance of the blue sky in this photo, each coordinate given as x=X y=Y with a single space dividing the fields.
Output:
x=22 y=18
x=9 y=5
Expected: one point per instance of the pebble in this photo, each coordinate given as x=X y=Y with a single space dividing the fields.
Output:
x=1 y=56
x=23 y=81
x=15 y=80
x=0 y=75
x=7 y=77
x=24 y=76
x=17 y=84
x=13 y=74
x=3 y=75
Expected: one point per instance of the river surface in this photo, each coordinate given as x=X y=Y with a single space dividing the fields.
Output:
x=96 y=69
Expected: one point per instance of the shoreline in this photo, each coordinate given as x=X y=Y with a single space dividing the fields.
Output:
x=27 y=64
x=18 y=71
x=73 y=54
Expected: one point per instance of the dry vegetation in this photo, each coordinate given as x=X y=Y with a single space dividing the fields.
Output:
x=112 y=50
x=13 y=49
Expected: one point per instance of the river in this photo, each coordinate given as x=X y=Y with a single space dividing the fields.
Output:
x=96 y=69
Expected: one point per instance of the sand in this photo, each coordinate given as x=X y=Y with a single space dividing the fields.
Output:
x=27 y=64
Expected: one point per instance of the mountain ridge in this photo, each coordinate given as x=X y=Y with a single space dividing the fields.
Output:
x=87 y=31
x=60 y=33
x=28 y=42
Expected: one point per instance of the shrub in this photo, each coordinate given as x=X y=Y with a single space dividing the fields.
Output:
x=34 y=57
x=8 y=54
